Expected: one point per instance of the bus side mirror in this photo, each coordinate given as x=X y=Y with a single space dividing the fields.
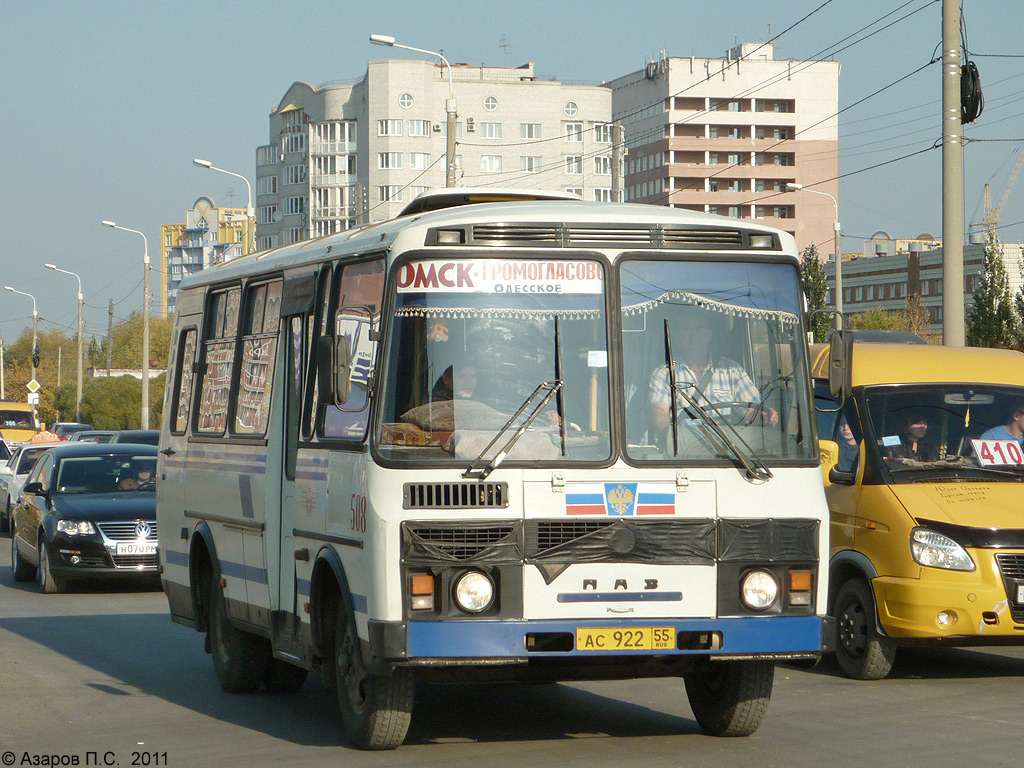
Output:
x=837 y=364
x=333 y=369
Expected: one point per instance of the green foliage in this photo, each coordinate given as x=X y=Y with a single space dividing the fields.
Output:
x=815 y=287
x=992 y=321
x=877 y=320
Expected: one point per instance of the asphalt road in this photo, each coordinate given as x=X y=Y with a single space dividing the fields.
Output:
x=104 y=670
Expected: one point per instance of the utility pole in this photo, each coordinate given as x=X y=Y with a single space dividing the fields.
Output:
x=110 y=333
x=952 y=181
x=3 y=387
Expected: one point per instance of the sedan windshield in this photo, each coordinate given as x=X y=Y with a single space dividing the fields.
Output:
x=106 y=474
x=484 y=349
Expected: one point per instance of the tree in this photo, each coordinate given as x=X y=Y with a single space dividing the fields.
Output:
x=815 y=287
x=877 y=320
x=992 y=321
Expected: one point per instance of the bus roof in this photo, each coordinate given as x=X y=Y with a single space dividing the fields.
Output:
x=550 y=224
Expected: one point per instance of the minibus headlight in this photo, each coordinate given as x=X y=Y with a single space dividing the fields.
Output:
x=935 y=550
x=759 y=590
x=474 y=592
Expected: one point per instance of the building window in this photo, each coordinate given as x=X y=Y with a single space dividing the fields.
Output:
x=295 y=174
x=570 y=108
x=603 y=166
x=391 y=193
x=603 y=195
x=712 y=158
x=574 y=131
x=419 y=161
x=266 y=242
x=294 y=205
x=574 y=164
x=490 y=130
x=578 y=191
x=389 y=161
x=389 y=127
x=603 y=133
x=490 y=103
x=268 y=214
x=405 y=100
x=734 y=185
x=266 y=155
x=293 y=142
x=266 y=185
x=529 y=130
x=530 y=164
x=419 y=127
x=490 y=164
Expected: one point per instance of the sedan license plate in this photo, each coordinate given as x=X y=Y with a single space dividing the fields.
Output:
x=632 y=639
x=135 y=548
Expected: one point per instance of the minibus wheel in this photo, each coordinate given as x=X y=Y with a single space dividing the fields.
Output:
x=239 y=658
x=862 y=652
x=375 y=709
x=730 y=698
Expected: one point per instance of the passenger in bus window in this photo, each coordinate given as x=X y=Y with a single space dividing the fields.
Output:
x=455 y=382
x=717 y=379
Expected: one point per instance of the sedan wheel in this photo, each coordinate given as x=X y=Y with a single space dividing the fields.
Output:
x=48 y=582
x=22 y=571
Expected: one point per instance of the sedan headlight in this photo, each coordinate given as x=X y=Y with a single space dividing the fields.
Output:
x=76 y=527
x=474 y=592
x=938 y=551
x=759 y=590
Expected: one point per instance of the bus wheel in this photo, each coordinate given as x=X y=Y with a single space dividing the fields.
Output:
x=282 y=677
x=730 y=698
x=375 y=709
x=861 y=651
x=239 y=658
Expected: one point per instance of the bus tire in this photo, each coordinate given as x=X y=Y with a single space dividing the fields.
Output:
x=375 y=709
x=21 y=570
x=730 y=698
x=861 y=651
x=239 y=657
x=282 y=677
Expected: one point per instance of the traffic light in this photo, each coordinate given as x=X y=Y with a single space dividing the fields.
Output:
x=35 y=357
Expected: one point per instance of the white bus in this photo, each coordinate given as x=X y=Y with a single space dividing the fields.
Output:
x=443 y=447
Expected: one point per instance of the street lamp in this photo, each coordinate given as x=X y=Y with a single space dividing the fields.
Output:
x=35 y=323
x=78 y=387
x=449 y=105
x=839 y=256
x=145 y=320
x=250 y=212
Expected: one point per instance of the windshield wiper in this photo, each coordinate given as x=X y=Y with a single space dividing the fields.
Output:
x=559 y=394
x=551 y=387
x=756 y=469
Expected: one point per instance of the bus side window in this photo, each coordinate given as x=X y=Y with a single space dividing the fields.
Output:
x=259 y=349
x=221 y=326
x=182 y=399
x=316 y=326
x=360 y=293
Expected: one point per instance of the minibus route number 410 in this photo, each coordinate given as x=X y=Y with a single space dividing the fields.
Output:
x=535 y=440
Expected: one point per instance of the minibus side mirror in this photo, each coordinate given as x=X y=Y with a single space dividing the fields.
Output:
x=333 y=369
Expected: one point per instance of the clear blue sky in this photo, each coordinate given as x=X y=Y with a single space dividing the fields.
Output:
x=106 y=102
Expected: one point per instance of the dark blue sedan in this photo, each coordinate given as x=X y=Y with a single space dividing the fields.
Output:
x=87 y=510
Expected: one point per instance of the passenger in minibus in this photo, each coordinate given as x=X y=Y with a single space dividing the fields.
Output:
x=1012 y=430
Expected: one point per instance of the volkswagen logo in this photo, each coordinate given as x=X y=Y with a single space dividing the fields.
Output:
x=143 y=530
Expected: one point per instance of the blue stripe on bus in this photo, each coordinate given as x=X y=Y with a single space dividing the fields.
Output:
x=173 y=557
x=244 y=572
x=584 y=498
x=619 y=597
x=656 y=498
x=507 y=639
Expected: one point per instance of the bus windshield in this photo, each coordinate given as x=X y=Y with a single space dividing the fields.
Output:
x=481 y=348
x=726 y=338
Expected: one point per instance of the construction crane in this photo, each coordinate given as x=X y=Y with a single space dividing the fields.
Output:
x=992 y=214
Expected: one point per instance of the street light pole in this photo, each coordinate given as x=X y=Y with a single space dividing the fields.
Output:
x=35 y=324
x=449 y=105
x=145 y=320
x=839 y=256
x=78 y=382
x=250 y=212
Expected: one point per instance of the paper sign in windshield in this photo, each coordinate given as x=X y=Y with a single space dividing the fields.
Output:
x=501 y=276
x=995 y=453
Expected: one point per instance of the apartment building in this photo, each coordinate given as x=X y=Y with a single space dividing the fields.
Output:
x=209 y=235
x=343 y=153
x=727 y=135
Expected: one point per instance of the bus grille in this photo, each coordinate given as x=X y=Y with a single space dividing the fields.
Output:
x=676 y=237
x=545 y=535
x=1012 y=569
x=458 y=542
x=579 y=235
x=455 y=495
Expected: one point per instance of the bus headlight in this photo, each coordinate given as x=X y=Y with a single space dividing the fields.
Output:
x=759 y=590
x=938 y=551
x=474 y=591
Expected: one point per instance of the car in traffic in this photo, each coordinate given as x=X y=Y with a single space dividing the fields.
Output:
x=5 y=451
x=65 y=429
x=88 y=510
x=12 y=477
x=138 y=436
x=93 y=436
x=18 y=422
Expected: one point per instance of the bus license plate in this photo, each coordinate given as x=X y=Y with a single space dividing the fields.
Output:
x=632 y=639
x=1020 y=594
x=135 y=548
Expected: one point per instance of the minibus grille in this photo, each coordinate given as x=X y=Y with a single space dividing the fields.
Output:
x=1012 y=569
x=425 y=542
x=455 y=495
